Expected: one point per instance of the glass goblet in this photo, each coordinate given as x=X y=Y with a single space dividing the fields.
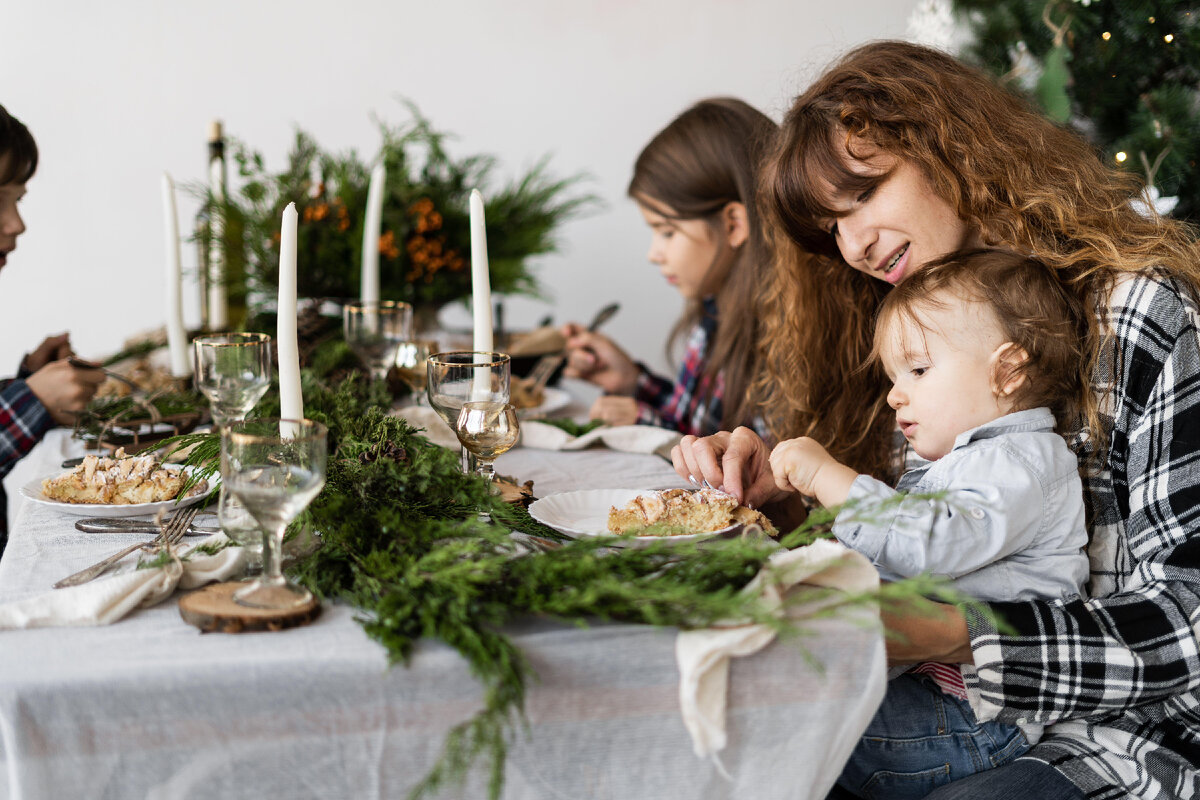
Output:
x=375 y=331
x=233 y=370
x=464 y=376
x=275 y=467
x=486 y=429
x=411 y=365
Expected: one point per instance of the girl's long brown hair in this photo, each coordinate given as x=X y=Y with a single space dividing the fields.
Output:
x=705 y=159
x=1023 y=182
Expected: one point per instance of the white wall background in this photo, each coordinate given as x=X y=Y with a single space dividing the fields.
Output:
x=119 y=91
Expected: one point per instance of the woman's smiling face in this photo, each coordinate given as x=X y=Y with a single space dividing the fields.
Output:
x=898 y=225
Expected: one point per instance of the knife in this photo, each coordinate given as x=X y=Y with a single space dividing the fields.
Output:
x=123 y=525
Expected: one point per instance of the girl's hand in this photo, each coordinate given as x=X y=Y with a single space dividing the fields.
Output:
x=736 y=462
x=594 y=357
x=615 y=410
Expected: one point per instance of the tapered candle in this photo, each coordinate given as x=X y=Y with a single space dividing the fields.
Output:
x=291 y=401
x=218 y=301
x=481 y=287
x=370 y=246
x=177 y=344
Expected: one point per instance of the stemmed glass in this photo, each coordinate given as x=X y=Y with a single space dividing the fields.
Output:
x=464 y=376
x=375 y=331
x=275 y=467
x=233 y=370
x=410 y=364
x=487 y=429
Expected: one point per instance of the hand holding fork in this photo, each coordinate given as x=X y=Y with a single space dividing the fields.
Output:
x=172 y=531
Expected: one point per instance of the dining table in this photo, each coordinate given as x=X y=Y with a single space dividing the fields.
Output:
x=150 y=707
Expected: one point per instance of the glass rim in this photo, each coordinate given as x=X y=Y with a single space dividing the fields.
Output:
x=246 y=338
x=497 y=358
x=315 y=430
x=363 y=304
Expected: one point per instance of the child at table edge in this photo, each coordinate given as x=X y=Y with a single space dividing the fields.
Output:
x=983 y=349
x=47 y=388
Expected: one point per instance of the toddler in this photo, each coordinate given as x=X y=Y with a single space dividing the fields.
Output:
x=984 y=352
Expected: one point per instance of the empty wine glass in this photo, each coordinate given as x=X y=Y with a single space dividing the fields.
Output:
x=487 y=429
x=410 y=364
x=375 y=331
x=464 y=376
x=242 y=528
x=233 y=370
x=275 y=467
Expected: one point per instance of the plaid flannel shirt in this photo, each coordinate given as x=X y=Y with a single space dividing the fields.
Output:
x=23 y=422
x=687 y=405
x=1117 y=677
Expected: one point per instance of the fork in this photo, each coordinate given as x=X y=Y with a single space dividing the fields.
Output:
x=172 y=532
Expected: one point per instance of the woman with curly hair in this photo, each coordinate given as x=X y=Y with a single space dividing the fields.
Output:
x=899 y=155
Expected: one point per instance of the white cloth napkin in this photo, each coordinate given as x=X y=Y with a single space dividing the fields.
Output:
x=703 y=655
x=624 y=438
x=107 y=599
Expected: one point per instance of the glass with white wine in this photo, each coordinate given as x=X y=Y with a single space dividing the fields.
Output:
x=375 y=331
x=275 y=467
x=466 y=376
x=487 y=429
x=233 y=370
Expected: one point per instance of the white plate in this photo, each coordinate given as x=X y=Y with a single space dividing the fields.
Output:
x=33 y=491
x=552 y=400
x=583 y=514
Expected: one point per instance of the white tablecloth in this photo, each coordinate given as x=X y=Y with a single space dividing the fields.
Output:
x=149 y=707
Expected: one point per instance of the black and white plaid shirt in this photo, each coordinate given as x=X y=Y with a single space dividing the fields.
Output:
x=1116 y=678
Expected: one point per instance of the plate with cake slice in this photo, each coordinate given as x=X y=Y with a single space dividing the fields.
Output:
x=116 y=486
x=641 y=516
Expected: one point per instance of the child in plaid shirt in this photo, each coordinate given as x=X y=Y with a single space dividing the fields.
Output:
x=694 y=184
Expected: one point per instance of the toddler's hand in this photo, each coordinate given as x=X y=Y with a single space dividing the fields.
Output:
x=796 y=462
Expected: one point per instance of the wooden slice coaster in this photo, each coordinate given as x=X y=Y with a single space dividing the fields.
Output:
x=213 y=610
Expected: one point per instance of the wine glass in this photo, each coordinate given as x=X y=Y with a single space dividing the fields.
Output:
x=275 y=467
x=487 y=429
x=410 y=364
x=375 y=331
x=463 y=376
x=233 y=370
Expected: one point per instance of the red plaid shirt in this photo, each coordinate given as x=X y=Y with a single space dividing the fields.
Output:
x=23 y=422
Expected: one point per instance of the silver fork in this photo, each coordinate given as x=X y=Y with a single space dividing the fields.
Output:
x=172 y=532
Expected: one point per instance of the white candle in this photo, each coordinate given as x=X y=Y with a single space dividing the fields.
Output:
x=181 y=365
x=370 y=245
x=218 y=304
x=481 y=287
x=291 y=402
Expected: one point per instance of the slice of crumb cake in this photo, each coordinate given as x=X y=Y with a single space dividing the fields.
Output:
x=701 y=511
x=119 y=480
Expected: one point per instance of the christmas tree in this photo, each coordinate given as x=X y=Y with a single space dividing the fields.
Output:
x=1125 y=73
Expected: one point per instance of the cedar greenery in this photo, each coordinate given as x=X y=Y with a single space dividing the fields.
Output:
x=402 y=540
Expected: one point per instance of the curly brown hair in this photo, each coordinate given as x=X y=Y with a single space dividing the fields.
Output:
x=1023 y=182
x=1032 y=309
x=705 y=159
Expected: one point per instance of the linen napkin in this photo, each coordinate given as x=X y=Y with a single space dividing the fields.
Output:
x=703 y=655
x=107 y=599
x=624 y=438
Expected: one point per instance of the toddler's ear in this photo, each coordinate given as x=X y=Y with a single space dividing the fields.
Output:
x=1007 y=361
